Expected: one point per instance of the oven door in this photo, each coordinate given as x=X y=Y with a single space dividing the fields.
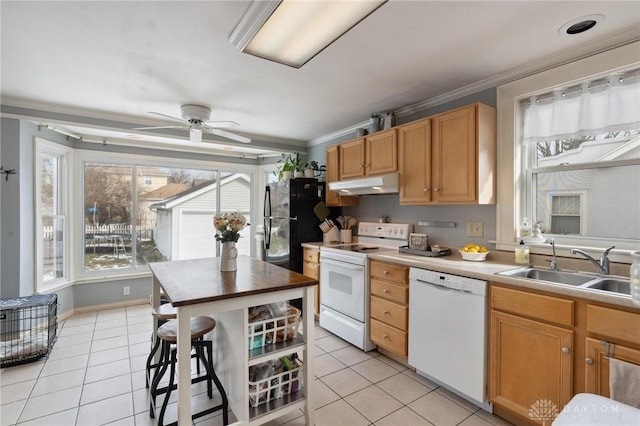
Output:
x=342 y=287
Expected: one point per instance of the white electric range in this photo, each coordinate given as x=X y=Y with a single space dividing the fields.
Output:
x=344 y=280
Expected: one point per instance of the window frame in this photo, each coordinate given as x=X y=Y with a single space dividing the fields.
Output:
x=512 y=201
x=139 y=160
x=64 y=155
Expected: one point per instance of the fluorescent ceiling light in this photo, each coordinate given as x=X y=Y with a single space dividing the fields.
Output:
x=292 y=32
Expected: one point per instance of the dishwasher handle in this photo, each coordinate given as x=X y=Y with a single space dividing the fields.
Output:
x=441 y=287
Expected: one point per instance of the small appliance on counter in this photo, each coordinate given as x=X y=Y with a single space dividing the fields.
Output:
x=419 y=246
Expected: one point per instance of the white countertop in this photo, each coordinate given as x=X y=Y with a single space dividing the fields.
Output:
x=487 y=270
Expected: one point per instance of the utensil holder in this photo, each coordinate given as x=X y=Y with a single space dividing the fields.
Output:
x=345 y=235
x=332 y=235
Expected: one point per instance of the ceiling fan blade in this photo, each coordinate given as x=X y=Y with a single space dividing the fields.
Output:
x=221 y=124
x=160 y=127
x=195 y=135
x=167 y=116
x=228 y=135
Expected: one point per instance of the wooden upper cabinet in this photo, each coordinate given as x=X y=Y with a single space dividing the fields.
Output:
x=461 y=165
x=333 y=198
x=374 y=155
x=414 y=146
x=352 y=159
x=381 y=153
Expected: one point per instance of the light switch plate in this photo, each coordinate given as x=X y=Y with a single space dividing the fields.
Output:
x=474 y=229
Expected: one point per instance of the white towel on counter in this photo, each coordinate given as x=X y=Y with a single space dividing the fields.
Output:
x=624 y=382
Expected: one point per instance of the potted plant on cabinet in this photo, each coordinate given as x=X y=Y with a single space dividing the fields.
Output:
x=288 y=165
x=313 y=169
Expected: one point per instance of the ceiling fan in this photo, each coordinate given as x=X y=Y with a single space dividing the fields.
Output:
x=196 y=119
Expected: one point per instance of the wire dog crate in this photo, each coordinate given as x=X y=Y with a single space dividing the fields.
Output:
x=28 y=328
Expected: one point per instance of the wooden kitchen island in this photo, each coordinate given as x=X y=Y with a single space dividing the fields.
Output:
x=197 y=287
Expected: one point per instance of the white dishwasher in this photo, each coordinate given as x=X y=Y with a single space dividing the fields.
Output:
x=448 y=332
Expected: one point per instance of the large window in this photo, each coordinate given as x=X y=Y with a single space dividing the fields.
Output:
x=568 y=154
x=135 y=214
x=51 y=223
x=581 y=146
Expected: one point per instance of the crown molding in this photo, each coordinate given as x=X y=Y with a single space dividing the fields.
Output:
x=623 y=38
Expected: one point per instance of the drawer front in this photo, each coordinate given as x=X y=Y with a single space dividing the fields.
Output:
x=311 y=255
x=310 y=269
x=538 y=306
x=387 y=290
x=388 y=272
x=388 y=337
x=614 y=324
x=390 y=313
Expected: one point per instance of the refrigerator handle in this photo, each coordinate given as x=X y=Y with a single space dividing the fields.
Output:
x=267 y=201
x=267 y=233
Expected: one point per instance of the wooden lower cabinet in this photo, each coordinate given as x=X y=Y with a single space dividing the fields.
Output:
x=596 y=367
x=311 y=268
x=530 y=363
x=544 y=347
x=389 y=306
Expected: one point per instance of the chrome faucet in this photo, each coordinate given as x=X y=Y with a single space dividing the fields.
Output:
x=554 y=263
x=603 y=264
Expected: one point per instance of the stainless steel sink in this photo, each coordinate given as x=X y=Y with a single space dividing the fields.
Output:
x=559 y=277
x=612 y=285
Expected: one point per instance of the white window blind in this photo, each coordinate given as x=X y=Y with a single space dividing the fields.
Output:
x=593 y=107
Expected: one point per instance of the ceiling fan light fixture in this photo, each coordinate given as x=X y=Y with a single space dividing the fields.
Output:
x=195 y=135
x=292 y=32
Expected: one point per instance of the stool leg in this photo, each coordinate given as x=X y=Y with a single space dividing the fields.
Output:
x=214 y=376
x=154 y=349
x=158 y=374
x=169 y=387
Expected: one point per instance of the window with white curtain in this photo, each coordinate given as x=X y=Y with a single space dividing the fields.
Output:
x=580 y=145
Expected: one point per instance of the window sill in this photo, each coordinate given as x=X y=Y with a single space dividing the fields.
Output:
x=563 y=250
x=106 y=278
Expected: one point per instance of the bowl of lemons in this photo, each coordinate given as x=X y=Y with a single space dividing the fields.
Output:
x=474 y=252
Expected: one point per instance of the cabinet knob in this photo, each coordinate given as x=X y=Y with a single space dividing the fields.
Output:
x=426 y=190
x=367 y=165
x=588 y=361
x=385 y=312
x=565 y=350
x=385 y=272
x=361 y=166
x=385 y=336
x=385 y=291
x=436 y=189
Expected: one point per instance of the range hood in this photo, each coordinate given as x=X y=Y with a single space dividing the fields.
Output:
x=383 y=184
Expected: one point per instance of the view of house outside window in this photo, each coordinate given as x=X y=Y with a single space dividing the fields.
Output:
x=582 y=157
x=162 y=214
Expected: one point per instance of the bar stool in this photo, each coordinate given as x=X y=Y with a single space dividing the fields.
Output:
x=167 y=335
x=162 y=313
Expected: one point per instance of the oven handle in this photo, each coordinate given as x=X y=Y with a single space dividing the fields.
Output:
x=341 y=264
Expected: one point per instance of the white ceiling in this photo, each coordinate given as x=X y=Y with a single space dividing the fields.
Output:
x=87 y=60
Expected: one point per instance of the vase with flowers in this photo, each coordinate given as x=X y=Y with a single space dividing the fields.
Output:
x=228 y=227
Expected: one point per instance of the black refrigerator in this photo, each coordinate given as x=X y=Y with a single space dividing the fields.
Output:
x=289 y=220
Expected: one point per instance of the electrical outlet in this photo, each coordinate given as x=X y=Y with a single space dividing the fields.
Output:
x=126 y=290
x=474 y=229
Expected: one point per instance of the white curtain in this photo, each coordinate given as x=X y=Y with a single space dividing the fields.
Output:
x=591 y=108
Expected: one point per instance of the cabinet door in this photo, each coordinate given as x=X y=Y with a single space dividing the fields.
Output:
x=596 y=368
x=415 y=162
x=454 y=159
x=333 y=198
x=381 y=150
x=352 y=159
x=530 y=363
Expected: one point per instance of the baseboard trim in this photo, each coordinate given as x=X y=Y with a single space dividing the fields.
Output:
x=101 y=307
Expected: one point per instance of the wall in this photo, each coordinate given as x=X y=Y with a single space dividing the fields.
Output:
x=372 y=206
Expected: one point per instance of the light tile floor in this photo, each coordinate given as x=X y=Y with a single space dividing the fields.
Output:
x=95 y=375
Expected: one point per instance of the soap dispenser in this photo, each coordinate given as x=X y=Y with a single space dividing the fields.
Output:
x=522 y=253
